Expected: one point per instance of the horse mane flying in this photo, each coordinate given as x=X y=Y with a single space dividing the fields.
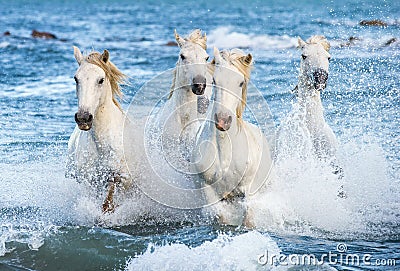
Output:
x=195 y=37
x=321 y=40
x=113 y=74
x=244 y=63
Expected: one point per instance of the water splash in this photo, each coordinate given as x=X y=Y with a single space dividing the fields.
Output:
x=303 y=196
x=223 y=253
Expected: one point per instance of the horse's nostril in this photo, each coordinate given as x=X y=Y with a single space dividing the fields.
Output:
x=320 y=79
x=198 y=88
x=199 y=79
x=83 y=117
x=223 y=121
x=320 y=76
x=199 y=84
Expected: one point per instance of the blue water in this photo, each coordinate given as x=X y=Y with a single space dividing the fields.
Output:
x=48 y=222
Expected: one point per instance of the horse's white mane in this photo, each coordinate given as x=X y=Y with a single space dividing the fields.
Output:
x=321 y=40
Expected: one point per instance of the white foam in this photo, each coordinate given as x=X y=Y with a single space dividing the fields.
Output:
x=43 y=198
x=4 y=44
x=224 y=253
x=225 y=37
x=31 y=235
x=32 y=184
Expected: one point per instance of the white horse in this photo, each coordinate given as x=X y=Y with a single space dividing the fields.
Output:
x=312 y=134
x=95 y=148
x=180 y=117
x=314 y=70
x=231 y=155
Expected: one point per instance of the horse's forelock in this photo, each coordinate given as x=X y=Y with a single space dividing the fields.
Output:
x=197 y=38
x=114 y=75
x=321 y=40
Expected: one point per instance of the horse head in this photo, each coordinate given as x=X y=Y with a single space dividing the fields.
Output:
x=192 y=62
x=97 y=80
x=314 y=66
x=230 y=79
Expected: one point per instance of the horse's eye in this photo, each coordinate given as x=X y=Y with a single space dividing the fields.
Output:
x=241 y=84
x=214 y=81
x=329 y=58
x=183 y=57
x=207 y=58
x=76 y=79
x=101 y=81
x=304 y=56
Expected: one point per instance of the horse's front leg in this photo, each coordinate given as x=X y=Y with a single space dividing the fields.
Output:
x=108 y=205
x=248 y=221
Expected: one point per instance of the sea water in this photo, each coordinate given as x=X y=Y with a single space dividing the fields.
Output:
x=49 y=222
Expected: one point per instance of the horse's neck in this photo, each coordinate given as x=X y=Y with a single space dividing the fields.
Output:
x=108 y=125
x=310 y=103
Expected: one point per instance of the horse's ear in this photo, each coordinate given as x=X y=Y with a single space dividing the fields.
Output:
x=105 y=56
x=217 y=56
x=205 y=37
x=78 y=55
x=179 y=39
x=301 y=42
x=248 y=59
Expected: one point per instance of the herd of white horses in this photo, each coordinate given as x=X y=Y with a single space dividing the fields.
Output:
x=231 y=157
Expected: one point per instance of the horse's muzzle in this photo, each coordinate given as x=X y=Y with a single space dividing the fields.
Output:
x=199 y=85
x=84 y=120
x=223 y=121
x=320 y=77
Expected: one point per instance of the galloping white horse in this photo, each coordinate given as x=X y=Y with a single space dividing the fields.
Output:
x=180 y=115
x=231 y=155
x=305 y=132
x=95 y=147
x=314 y=70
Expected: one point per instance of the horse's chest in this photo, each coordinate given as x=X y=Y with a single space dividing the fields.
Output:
x=227 y=168
x=105 y=152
